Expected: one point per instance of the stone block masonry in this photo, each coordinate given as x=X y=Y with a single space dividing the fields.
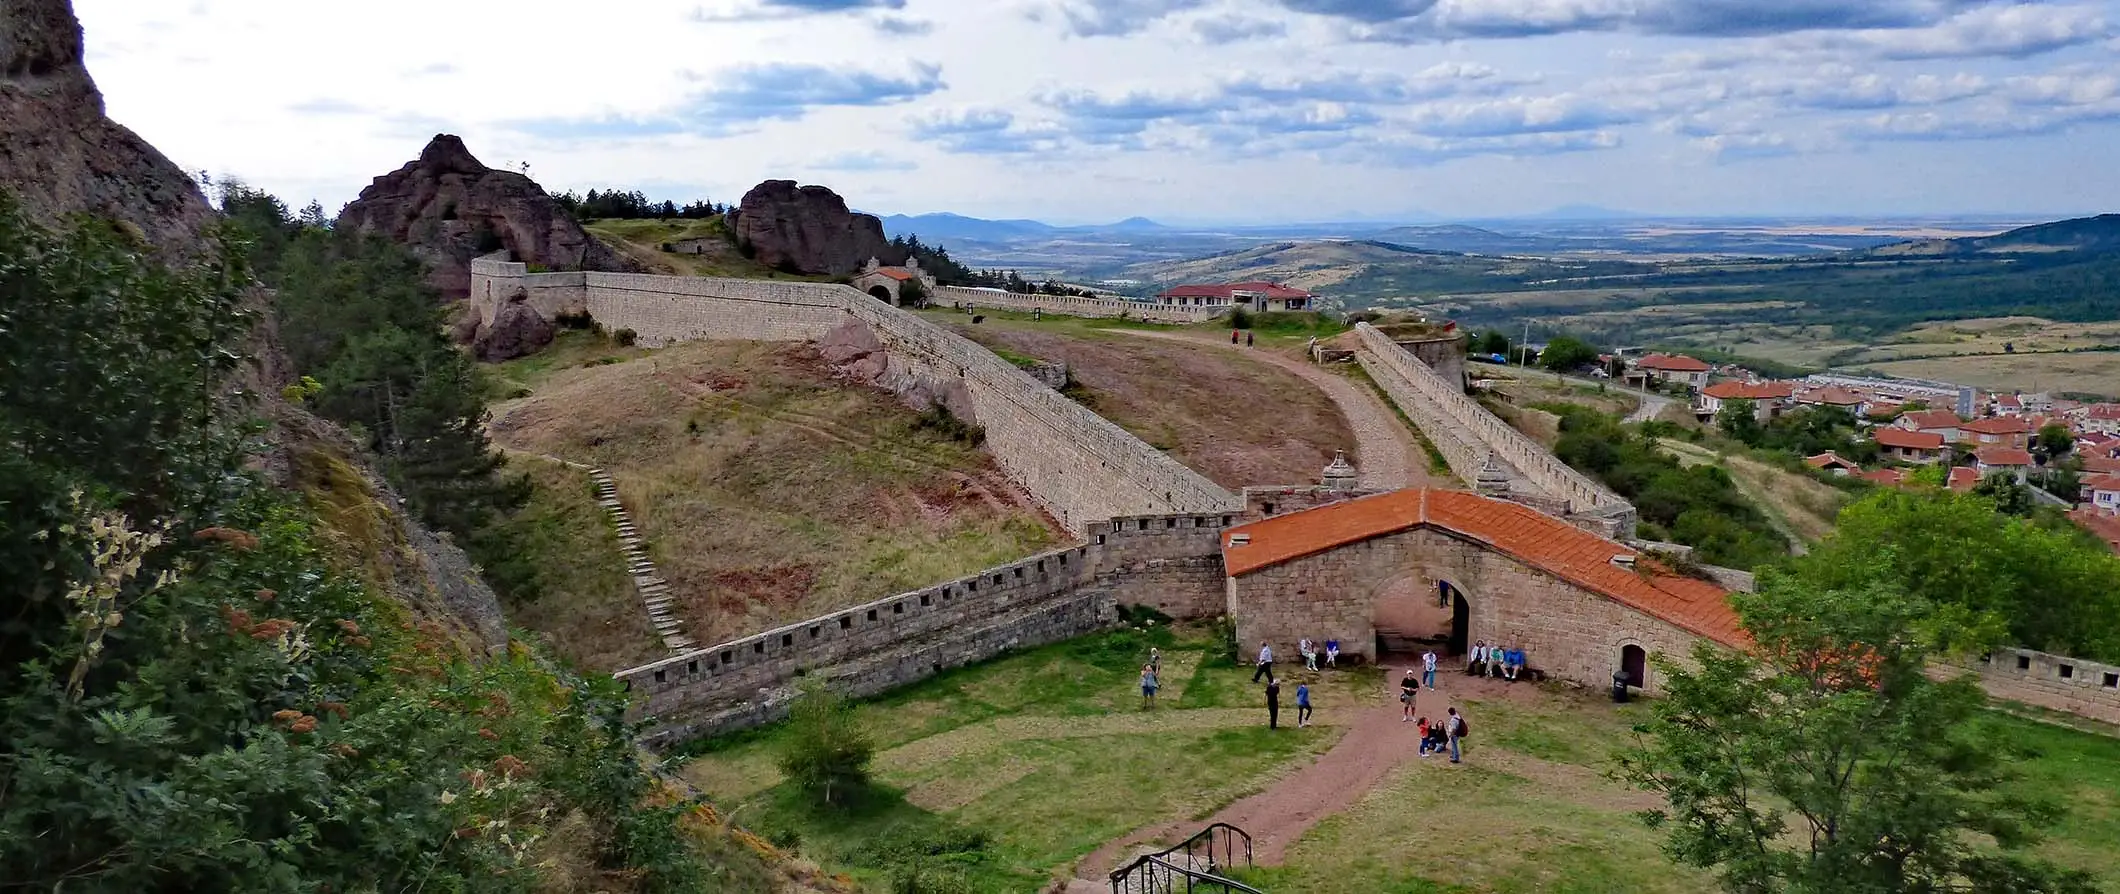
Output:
x=1080 y=466
x=1467 y=434
x=2055 y=682
x=1169 y=561
x=1075 y=306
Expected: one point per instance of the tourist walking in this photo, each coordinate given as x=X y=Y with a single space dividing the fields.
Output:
x=1149 y=684
x=1302 y=705
x=1409 y=689
x=1232 y=336
x=1273 y=703
x=1457 y=729
x=1265 y=664
x=1247 y=339
x=1428 y=669
x=1309 y=651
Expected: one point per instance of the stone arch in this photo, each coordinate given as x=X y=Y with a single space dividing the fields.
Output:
x=1634 y=659
x=883 y=294
x=1418 y=609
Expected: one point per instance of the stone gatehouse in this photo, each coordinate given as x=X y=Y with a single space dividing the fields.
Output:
x=1456 y=567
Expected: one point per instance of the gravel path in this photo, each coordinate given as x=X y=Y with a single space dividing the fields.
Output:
x=1386 y=453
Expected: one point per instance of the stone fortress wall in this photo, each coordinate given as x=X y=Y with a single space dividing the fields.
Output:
x=1467 y=435
x=1082 y=467
x=954 y=296
x=2055 y=682
x=1169 y=561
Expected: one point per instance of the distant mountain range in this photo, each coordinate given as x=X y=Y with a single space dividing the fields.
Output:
x=2090 y=235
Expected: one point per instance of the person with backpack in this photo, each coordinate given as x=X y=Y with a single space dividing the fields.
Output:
x=1458 y=729
x=1302 y=705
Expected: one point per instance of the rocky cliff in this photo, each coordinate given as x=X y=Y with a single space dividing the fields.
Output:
x=59 y=153
x=807 y=229
x=449 y=208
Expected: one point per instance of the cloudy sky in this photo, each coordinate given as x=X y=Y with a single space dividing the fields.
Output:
x=1181 y=110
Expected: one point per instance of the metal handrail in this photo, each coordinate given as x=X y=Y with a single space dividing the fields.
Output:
x=1192 y=870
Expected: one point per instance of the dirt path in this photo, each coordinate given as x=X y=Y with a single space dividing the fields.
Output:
x=1377 y=742
x=1385 y=452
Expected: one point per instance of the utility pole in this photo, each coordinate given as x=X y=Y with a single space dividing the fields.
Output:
x=1523 y=347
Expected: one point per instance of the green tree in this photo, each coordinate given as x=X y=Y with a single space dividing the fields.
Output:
x=2048 y=583
x=1826 y=760
x=1491 y=343
x=1566 y=352
x=1739 y=421
x=2054 y=441
x=2009 y=497
x=827 y=751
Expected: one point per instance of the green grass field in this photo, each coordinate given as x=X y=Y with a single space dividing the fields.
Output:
x=1006 y=774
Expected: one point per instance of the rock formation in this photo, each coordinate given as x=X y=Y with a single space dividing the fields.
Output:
x=807 y=229
x=857 y=354
x=61 y=155
x=450 y=208
x=516 y=331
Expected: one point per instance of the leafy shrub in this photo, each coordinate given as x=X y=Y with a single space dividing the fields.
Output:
x=1240 y=319
x=625 y=337
x=827 y=751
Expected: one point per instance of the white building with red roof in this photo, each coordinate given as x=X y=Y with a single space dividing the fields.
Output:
x=1768 y=399
x=2102 y=492
x=2016 y=461
x=2005 y=431
x=1672 y=368
x=1943 y=423
x=1257 y=295
x=2099 y=419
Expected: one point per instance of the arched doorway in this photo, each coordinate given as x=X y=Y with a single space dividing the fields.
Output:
x=882 y=294
x=1460 y=620
x=1635 y=662
x=1414 y=613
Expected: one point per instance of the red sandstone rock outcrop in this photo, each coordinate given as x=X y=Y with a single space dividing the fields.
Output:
x=61 y=155
x=516 y=331
x=449 y=208
x=806 y=229
x=857 y=354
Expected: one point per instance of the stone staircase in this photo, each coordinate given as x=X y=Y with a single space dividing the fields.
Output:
x=654 y=591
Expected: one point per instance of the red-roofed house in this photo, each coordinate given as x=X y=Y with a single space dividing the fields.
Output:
x=2103 y=524
x=1942 y=422
x=2009 y=405
x=1832 y=396
x=1910 y=446
x=2014 y=460
x=1887 y=477
x=1255 y=296
x=1832 y=462
x=1962 y=478
x=2095 y=464
x=2102 y=419
x=1768 y=398
x=1671 y=368
x=2102 y=492
x=2006 y=431
x=1579 y=605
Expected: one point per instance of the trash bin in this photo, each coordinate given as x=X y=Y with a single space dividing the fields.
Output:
x=1619 y=686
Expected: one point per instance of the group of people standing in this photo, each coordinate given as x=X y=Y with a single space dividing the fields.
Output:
x=1495 y=660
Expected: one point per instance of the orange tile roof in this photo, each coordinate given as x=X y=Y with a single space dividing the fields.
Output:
x=2101 y=464
x=2003 y=456
x=1672 y=363
x=1885 y=476
x=1926 y=419
x=1890 y=436
x=1998 y=425
x=1749 y=390
x=1963 y=478
x=1831 y=396
x=1536 y=539
x=2102 y=482
x=1829 y=458
x=898 y=273
x=2106 y=527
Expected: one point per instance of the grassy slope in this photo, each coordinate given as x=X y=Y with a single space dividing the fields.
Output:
x=1045 y=755
x=641 y=241
x=1234 y=420
x=590 y=613
x=768 y=491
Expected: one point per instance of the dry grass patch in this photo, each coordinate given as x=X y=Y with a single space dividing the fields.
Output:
x=1237 y=421
x=590 y=613
x=2088 y=372
x=768 y=491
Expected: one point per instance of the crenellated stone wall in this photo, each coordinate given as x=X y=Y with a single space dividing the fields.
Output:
x=1079 y=465
x=2055 y=682
x=1172 y=562
x=1074 y=306
x=1467 y=435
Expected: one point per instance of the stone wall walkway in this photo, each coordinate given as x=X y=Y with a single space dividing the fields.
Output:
x=1386 y=451
x=654 y=591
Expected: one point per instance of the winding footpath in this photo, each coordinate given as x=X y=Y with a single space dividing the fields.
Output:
x=1386 y=452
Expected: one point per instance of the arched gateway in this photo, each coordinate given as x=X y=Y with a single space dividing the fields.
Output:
x=1428 y=565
